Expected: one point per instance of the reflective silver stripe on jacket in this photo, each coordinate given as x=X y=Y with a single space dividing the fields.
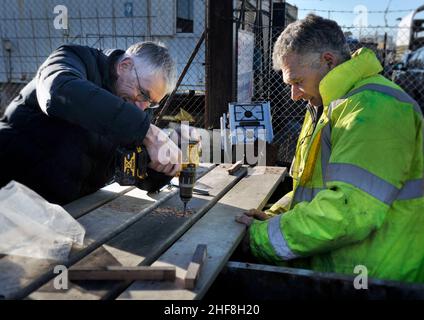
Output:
x=411 y=190
x=305 y=194
x=367 y=182
x=362 y=179
x=395 y=93
x=278 y=241
x=325 y=148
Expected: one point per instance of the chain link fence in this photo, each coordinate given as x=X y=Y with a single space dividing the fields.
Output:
x=266 y=22
x=30 y=30
x=389 y=43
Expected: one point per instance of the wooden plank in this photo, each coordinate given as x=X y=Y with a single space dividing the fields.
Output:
x=221 y=56
x=19 y=276
x=235 y=167
x=145 y=241
x=88 y=203
x=123 y=273
x=93 y=201
x=218 y=230
x=195 y=266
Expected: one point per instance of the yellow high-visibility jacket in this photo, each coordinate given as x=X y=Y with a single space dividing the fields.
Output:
x=358 y=194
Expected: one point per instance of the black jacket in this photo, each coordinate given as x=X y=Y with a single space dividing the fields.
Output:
x=60 y=134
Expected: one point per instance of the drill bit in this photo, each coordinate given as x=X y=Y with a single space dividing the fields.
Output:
x=187 y=180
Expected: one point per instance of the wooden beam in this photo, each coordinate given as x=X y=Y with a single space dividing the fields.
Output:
x=218 y=230
x=235 y=167
x=20 y=276
x=88 y=203
x=145 y=241
x=123 y=273
x=221 y=62
x=195 y=266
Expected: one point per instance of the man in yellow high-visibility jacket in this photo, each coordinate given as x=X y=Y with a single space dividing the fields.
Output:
x=358 y=191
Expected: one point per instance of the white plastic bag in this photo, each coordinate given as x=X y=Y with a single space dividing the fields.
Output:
x=32 y=227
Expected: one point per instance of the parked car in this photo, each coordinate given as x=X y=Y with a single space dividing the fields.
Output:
x=409 y=74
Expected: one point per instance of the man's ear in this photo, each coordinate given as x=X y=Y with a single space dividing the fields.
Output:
x=329 y=59
x=124 y=66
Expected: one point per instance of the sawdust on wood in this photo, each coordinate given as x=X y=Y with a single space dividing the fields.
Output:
x=175 y=212
x=270 y=170
x=124 y=205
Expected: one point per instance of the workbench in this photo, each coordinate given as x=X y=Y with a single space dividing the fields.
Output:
x=127 y=227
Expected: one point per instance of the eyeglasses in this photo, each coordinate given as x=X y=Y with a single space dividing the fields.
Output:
x=145 y=96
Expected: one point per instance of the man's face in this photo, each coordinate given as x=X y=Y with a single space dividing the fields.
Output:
x=134 y=87
x=304 y=77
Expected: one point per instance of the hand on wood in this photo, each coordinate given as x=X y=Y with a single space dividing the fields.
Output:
x=257 y=214
x=248 y=216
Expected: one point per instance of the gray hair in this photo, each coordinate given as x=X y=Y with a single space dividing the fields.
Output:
x=156 y=61
x=313 y=34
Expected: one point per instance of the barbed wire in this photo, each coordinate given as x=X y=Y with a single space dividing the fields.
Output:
x=253 y=24
x=354 y=12
x=374 y=27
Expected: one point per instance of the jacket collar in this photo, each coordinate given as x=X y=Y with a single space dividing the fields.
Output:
x=343 y=78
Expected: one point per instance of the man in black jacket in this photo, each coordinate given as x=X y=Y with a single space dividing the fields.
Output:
x=59 y=136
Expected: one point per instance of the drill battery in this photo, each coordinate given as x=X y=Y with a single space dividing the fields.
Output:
x=131 y=165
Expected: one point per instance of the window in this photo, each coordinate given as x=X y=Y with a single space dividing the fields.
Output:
x=416 y=59
x=412 y=60
x=184 y=16
x=420 y=59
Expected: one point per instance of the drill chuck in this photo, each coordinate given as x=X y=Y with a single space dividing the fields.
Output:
x=187 y=179
x=187 y=176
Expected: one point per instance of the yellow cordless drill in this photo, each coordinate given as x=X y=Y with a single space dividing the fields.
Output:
x=131 y=168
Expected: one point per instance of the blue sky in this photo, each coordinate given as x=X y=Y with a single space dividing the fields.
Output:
x=347 y=19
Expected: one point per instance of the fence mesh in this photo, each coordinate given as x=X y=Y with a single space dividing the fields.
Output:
x=389 y=43
x=29 y=34
x=32 y=29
